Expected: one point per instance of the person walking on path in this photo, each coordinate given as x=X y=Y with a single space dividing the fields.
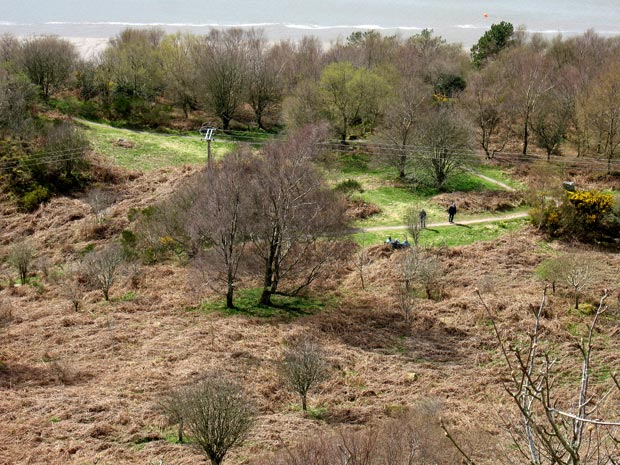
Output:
x=422 y=219
x=451 y=212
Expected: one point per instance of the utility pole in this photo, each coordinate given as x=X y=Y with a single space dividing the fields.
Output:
x=208 y=131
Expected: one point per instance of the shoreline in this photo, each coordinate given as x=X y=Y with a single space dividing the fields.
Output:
x=92 y=38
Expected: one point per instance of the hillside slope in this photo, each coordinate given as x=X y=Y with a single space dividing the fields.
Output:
x=83 y=387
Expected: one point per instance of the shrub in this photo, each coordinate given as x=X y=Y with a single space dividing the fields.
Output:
x=33 y=198
x=102 y=267
x=215 y=413
x=20 y=257
x=348 y=187
x=589 y=216
x=303 y=366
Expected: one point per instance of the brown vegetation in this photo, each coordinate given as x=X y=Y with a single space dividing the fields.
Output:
x=82 y=386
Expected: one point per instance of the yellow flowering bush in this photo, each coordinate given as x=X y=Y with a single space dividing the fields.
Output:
x=589 y=216
x=592 y=206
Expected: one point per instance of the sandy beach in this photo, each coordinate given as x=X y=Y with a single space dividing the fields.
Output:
x=88 y=47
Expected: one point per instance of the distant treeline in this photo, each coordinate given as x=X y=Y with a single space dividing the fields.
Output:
x=512 y=91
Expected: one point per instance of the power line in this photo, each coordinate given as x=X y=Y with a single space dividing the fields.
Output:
x=419 y=152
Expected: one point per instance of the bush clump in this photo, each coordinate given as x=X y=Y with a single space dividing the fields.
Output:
x=348 y=187
x=588 y=216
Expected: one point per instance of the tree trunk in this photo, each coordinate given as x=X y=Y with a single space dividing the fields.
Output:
x=259 y=119
x=304 y=407
x=229 y=296
x=180 y=432
x=526 y=135
x=402 y=162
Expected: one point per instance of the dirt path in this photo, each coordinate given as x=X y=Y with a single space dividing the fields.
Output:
x=492 y=181
x=490 y=219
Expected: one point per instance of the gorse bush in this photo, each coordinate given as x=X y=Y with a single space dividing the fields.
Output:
x=349 y=187
x=588 y=216
x=33 y=171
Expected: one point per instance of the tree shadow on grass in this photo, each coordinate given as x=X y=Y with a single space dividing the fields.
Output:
x=386 y=332
x=282 y=308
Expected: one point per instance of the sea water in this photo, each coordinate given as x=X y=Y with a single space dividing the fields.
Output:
x=456 y=20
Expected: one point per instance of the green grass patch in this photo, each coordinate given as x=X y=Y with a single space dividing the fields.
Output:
x=500 y=175
x=314 y=413
x=129 y=296
x=453 y=235
x=467 y=182
x=361 y=166
x=172 y=436
x=246 y=304
x=393 y=200
x=148 y=151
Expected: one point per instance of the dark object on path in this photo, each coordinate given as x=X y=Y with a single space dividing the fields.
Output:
x=396 y=244
x=451 y=212
x=423 y=219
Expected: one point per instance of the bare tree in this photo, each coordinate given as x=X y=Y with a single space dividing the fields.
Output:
x=412 y=100
x=578 y=273
x=221 y=216
x=293 y=209
x=413 y=220
x=530 y=73
x=20 y=257
x=362 y=261
x=223 y=67
x=303 y=366
x=485 y=102
x=444 y=145
x=216 y=414
x=550 y=121
x=429 y=274
x=603 y=114
x=100 y=200
x=73 y=290
x=73 y=286
x=409 y=265
x=552 y=428
x=102 y=267
x=265 y=86
x=9 y=49
x=48 y=61
x=173 y=405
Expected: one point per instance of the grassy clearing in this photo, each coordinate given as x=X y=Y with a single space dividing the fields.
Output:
x=246 y=304
x=382 y=188
x=151 y=151
x=446 y=235
x=395 y=200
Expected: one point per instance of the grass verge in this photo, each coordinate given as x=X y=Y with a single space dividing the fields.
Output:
x=453 y=235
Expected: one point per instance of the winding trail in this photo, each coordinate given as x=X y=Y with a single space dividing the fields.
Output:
x=490 y=219
x=491 y=180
